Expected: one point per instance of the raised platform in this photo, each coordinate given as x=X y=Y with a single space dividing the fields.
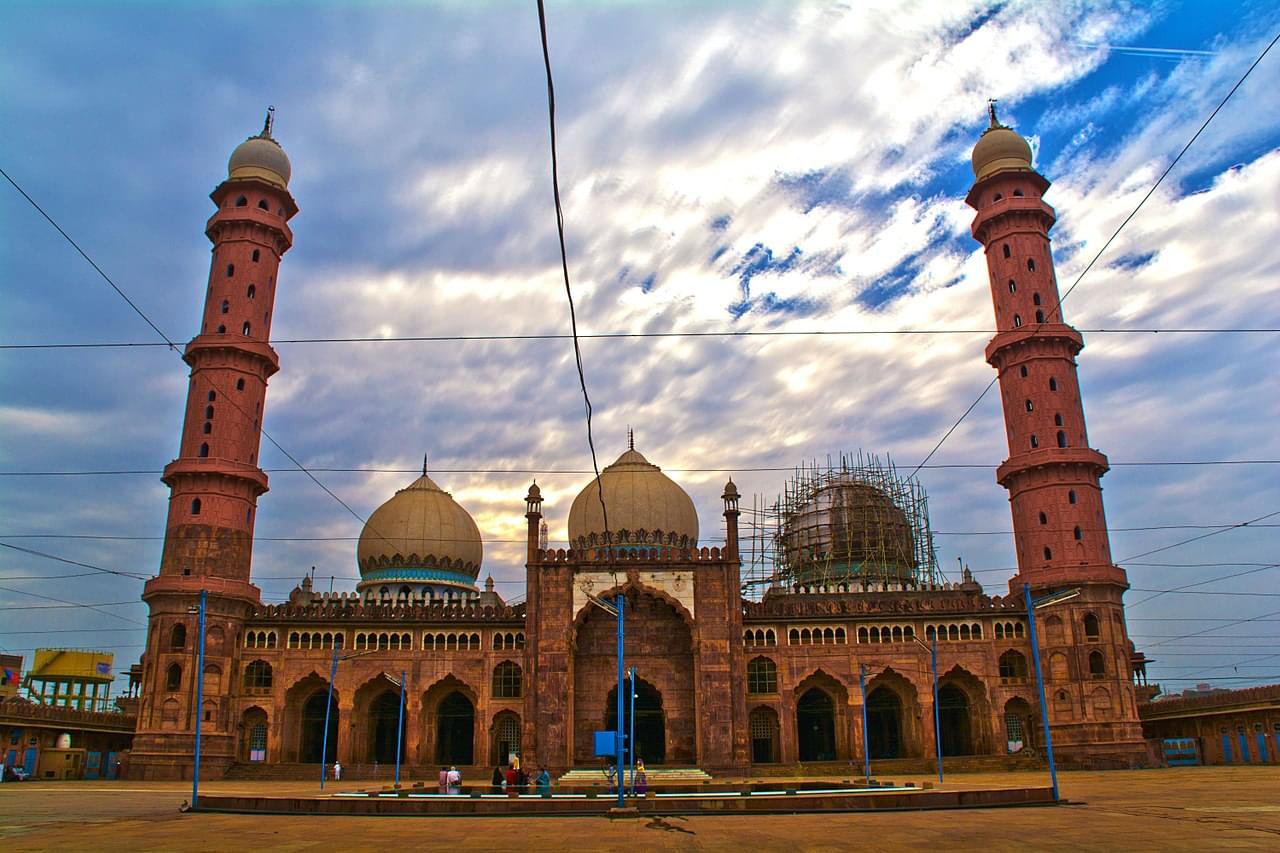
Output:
x=714 y=799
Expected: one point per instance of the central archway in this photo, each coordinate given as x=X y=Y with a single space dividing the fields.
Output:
x=651 y=726
x=816 y=726
x=386 y=728
x=312 y=741
x=455 y=730
x=884 y=723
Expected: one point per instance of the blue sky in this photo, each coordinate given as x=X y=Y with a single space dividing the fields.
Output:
x=725 y=166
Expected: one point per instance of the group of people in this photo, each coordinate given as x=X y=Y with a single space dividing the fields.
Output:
x=515 y=779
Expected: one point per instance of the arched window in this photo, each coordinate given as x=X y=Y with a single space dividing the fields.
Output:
x=1044 y=519
x=1017 y=321
x=1048 y=553
x=204 y=450
x=1013 y=286
x=255 y=256
x=245 y=329
x=173 y=678
x=762 y=676
x=195 y=506
x=1092 y=628
x=1031 y=265
x=242 y=202
x=226 y=306
x=1053 y=384
x=1062 y=438
x=1097 y=665
x=262 y=204
x=1077 y=533
x=506 y=681
x=178 y=638
x=251 y=292
x=1071 y=496
x=1013 y=666
x=1030 y=406
x=231 y=270
x=257 y=676
x=1005 y=250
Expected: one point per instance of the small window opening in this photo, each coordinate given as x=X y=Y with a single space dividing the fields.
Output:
x=1017 y=321
x=251 y=292
x=255 y=256
x=204 y=450
x=1077 y=534
x=1053 y=384
x=264 y=206
x=1034 y=442
x=1013 y=286
x=1031 y=265
x=242 y=202
x=231 y=270
x=239 y=384
x=1044 y=519
x=1062 y=438
x=195 y=507
x=1006 y=251
x=1071 y=496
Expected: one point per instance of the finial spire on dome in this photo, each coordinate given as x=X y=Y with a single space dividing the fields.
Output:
x=266 y=124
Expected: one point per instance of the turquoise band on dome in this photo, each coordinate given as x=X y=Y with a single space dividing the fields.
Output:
x=408 y=574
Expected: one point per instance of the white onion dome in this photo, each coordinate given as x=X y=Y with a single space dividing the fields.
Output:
x=420 y=536
x=646 y=508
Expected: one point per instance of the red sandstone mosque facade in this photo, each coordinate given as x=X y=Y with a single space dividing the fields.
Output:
x=724 y=682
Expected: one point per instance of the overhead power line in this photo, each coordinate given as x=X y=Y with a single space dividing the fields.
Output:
x=584 y=336
x=1057 y=309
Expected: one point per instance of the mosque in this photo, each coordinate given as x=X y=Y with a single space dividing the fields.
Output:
x=731 y=676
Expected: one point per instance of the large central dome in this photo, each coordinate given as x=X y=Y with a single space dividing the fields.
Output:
x=646 y=508
x=419 y=537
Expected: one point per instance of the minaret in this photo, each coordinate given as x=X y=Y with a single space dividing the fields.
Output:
x=215 y=482
x=1052 y=475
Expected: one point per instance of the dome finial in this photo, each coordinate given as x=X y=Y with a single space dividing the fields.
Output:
x=266 y=124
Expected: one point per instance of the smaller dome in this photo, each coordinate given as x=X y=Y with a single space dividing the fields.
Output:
x=260 y=157
x=998 y=149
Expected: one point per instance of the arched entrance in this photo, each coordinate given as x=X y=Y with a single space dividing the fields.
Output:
x=455 y=730
x=386 y=728
x=651 y=726
x=313 y=747
x=816 y=726
x=956 y=731
x=884 y=723
x=763 y=723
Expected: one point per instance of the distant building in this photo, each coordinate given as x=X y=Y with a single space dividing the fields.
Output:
x=724 y=682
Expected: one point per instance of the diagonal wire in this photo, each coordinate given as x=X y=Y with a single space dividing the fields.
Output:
x=564 y=267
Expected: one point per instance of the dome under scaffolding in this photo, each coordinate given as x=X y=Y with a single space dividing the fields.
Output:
x=854 y=524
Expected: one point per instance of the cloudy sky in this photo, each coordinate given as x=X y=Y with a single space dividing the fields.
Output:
x=726 y=167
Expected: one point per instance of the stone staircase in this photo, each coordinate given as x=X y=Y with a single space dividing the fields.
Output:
x=657 y=776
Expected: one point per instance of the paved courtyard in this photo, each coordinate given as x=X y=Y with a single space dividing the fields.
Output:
x=1176 y=809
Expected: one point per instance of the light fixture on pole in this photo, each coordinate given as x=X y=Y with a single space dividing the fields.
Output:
x=195 y=773
x=1032 y=606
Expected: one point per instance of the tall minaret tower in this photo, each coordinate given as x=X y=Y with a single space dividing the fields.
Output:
x=1052 y=474
x=215 y=482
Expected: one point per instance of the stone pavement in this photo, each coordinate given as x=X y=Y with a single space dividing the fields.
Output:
x=1192 y=808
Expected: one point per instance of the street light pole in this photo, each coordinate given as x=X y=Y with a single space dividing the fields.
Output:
x=195 y=775
x=1044 y=709
x=866 y=742
x=400 y=726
